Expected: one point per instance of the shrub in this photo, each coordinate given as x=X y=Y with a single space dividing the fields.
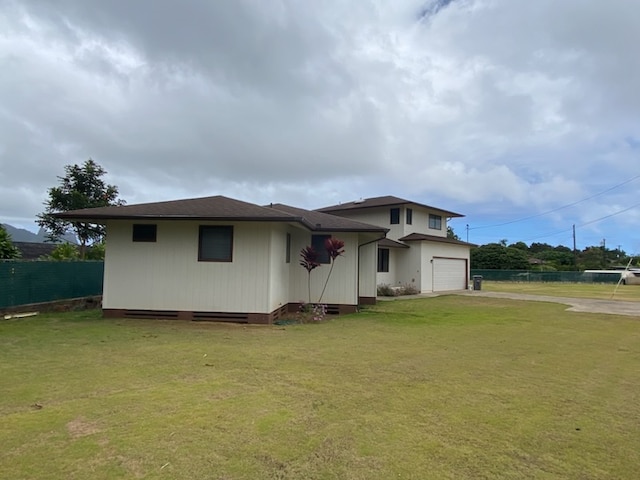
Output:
x=311 y=312
x=386 y=290
x=408 y=289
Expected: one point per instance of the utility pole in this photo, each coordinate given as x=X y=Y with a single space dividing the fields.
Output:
x=575 y=250
x=467 y=233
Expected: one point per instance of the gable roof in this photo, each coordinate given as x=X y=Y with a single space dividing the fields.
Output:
x=386 y=201
x=217 y=208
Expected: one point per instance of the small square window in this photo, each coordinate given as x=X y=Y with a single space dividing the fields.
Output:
x=395 y=216
x=435 y=222
x=143 y=232
x=215 y=244
x=383 y=260
x=409 y=216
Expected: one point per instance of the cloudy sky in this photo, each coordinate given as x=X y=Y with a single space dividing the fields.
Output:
x=524 y=116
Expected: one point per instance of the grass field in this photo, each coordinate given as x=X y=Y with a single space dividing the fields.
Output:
x=603 y=291
x=452 y=387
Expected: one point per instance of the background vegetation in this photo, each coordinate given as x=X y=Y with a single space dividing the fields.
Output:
x=541 y=256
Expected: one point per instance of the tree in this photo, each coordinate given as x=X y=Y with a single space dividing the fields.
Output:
x=81 y=187
x=451 y=234
x=498 y=256
x=64 y=252
x=8 y=250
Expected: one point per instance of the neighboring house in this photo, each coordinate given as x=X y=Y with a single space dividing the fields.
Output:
x=217 y=258
x=416 y=251
x=34 y=251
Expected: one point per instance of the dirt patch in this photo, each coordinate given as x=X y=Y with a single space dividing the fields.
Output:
x=80 y=427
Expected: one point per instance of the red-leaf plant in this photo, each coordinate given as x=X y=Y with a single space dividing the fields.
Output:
x=309 y=260
x=335 y=248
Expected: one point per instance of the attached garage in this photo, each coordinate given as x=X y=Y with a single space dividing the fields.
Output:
x=449 y=274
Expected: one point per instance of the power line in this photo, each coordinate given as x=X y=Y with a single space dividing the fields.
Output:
x=559 y=208
x=587 y=223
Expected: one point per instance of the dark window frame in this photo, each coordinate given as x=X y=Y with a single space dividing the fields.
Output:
x=383 y=260
x=226 y=230
x=435 y=221
x=317 y=242
x=394 y=216
x=288 y=249
x=409 y=218
x=144 y=232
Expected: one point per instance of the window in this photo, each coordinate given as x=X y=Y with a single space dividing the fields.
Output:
x=395 y=216
x=317 y=242
x=288 y=249
x=144 y=232
x=383 y=260
x=215 y=244
x=435 y=222
x=409 y=216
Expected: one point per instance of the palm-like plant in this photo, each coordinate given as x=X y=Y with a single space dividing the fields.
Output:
x=335 y=248
x=309 y=260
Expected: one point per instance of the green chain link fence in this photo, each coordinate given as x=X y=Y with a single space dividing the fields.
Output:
x=530 y=276
x=23 y=283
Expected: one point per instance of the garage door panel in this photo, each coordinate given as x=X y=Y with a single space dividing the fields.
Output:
x=449 y=274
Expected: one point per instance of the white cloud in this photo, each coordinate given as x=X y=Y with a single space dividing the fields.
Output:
x=487 y=107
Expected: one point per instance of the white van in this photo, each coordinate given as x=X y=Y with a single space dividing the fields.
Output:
x=631 y=276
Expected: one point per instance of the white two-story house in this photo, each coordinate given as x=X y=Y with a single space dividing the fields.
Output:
x=416 y=251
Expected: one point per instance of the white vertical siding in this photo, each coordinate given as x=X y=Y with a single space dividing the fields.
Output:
x=279 y=269
x=367 y=279
x=343 y=284
x=381 y=217
x=166 y=275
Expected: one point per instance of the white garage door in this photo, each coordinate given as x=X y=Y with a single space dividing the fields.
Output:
x=449 y=274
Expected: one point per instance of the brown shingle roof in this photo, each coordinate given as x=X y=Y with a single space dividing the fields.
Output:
x=432 y=238
x=325 y=222
x=216 y=208
x=387 y=242
x=386 y=201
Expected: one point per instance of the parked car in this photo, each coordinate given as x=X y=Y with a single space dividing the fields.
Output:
x=631 y=277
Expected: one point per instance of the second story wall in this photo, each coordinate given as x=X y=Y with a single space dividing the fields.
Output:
x=401 y=220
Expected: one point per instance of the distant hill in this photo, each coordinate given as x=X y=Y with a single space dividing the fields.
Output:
x=23 y=235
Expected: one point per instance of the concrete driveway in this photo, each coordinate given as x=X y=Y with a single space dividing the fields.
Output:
x=589 y=305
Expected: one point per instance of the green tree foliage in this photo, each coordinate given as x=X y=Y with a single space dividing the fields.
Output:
x=592 y=258
x=96 y=251
x=520 y=246
x=64 y=252
x=451 y=234
x=500 y=257
x=8 y=250
x=81 y=187
x=541 y=256
x=68 y=251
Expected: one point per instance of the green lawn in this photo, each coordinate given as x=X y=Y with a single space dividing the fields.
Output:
x=603 y=291
x=451 y=387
